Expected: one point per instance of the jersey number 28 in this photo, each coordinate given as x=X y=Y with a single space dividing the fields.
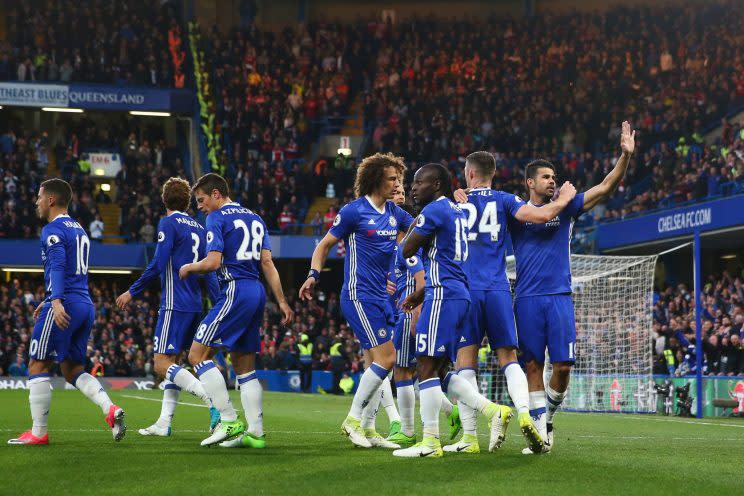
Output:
x=252 y=239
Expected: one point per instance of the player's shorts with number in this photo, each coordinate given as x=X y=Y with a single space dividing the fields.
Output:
x=49 y=342
x=404 y=342
x=175 y=331
x=546 y=322
x=440 y=327
x=492 y=313
x=233 y=322
x=371 y=321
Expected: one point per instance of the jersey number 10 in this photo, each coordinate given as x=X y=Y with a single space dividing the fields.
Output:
x=83 y=251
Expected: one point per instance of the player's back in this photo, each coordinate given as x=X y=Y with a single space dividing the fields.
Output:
x=444 y=259
x=240 y=234
x=486 y=211
x=65 y=248
x=188 y=245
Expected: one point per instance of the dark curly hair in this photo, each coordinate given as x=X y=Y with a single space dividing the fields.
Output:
x=371 y=172
x=177 y=194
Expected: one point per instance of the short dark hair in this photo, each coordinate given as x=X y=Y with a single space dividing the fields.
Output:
x=59 y=189
x=371 y=172
x=176 y=194
x=483 y=163
x=531 y=171
x=210 y=182
x=410 y=209
x=445 y=179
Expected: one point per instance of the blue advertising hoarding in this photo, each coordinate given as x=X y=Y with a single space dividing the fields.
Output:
x=95 y=97
x=709 y=216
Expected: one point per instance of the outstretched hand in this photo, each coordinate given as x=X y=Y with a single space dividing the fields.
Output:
x=627 y=139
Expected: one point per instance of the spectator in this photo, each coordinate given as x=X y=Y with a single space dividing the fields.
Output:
x=96 y=229
x=147 y=232
x=317 y=224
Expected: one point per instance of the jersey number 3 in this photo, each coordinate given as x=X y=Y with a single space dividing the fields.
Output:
x=252 y=240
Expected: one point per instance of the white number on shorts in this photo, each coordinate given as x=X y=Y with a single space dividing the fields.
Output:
x=34 y=347
x=155 y=343
x=195 y=247
x=256 y=232
x=83 y=250
x=571 y=350
x=201 y=331
x=421 y=342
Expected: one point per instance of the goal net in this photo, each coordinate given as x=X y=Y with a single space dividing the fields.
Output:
x=613 y=303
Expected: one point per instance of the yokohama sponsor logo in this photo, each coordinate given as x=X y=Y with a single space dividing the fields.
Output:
x=687 y=220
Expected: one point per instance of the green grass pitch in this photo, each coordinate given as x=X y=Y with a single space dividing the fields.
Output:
x=594 y=454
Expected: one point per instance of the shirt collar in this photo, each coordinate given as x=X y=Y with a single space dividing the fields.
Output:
x=375 y=206
x=61 y=215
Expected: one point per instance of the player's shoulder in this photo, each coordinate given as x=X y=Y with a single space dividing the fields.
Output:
x=52 y=233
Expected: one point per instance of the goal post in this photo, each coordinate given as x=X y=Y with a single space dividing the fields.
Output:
x=612 y=298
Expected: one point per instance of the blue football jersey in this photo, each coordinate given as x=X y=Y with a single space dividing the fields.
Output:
x=445 y=224
x=240 y=235
x=404 y=271
x=65 y=251
x=487 y=211
x=370 y=236
x=181 y=240
x=543 y=252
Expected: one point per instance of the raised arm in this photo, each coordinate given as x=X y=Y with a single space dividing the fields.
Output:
x=609 y=184
x=413 y=240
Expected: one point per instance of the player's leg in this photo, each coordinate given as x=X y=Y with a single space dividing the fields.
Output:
x=502 y=335
x=40 y=390
x=561 y=348
x=243 y=358
x=221 y=326
x=405 y=370
x=466 y=368
x=39 y=399
x=71 y=353
x=162 y=426
x=385 y=399
x=468 y=394
x=174 y=336
x=532 y=326
x=368 y=321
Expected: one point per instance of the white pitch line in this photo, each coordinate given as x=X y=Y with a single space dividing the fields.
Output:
x=678 y=421
x=145 y=398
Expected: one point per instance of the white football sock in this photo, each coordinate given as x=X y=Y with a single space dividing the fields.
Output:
x=468 y=395
x=468 y=416
x=368 y=385
x=186 y=381
x=554 y=402
x=407 y=406
x=447 y=405
x=168 y=407
x=251 y=396
x=214 y=385
x=387 y=401
x=537 y=411
x=40 y=399
x=430 y=396
x=369 y=413
x=516 y=382
x=92 y=389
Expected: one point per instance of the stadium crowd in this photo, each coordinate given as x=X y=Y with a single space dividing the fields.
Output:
x=675 y=347
x=122 y=42
x=444 y=88
x=121 y=341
